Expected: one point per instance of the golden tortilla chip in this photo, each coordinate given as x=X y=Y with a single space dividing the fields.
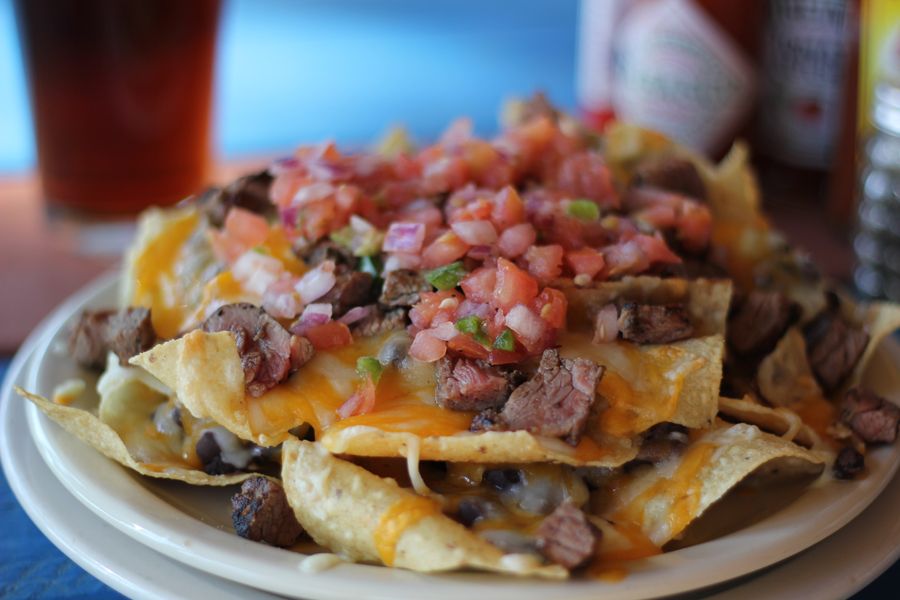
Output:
x=880 y=319
x=784 y=376
x=780 y=421
x=677 y=383
x=707 y=300
x=204 y=370
x=102 y=437
x=369 y=519
x=663 y=499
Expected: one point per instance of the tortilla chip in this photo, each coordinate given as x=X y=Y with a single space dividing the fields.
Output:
x=707 y=300
x=369 y=519
x=880 y=319
x=204 y=370
x=662 y=500
x=782 y=422
x=103 y=438
x=784 y=376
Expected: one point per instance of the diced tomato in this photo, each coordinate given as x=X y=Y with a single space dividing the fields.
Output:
x=444 y=250
x=585 y=175
x=545 y=262
x=427 y=348
x=586 y=261
x=464 y=344
x=445 y=174
x=429 y=305
x=479 y=155
x=516 y=240
x=502 y=357
x=513 y=286
x=656 y=250
x=475 y=233
x=319 y=219
x=475 y=210
x=246 y=227
x=479 y=284
x=694 y=226
x=284 y=187
x=498 y=174
x=332 y=334
x=508 y=209
x=551 y=306
x=361 y=402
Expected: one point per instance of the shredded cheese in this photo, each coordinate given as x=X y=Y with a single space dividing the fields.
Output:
x=413 y=447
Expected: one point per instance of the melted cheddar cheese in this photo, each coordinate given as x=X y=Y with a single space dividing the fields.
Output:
x=399 y=517
x=156 y=284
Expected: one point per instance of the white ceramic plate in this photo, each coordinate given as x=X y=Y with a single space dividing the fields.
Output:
x=191 y=524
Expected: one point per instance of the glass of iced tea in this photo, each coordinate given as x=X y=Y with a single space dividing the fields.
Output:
x=120 y=96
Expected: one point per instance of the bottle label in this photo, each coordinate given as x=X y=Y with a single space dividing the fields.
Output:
x=677 y=71
x=806 y=44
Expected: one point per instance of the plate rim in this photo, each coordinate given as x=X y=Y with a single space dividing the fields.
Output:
x=334 y=583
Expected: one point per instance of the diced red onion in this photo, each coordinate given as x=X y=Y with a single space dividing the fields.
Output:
x=317 y=282
x=313 y=315
x=357 y=313
x=445 y=331
x=468 y=308
x=402 y=260
x=404 y=237
x=606 y=324
x=289 y=216
x=527 y=325
x=480 y=252
x=427 y=348
x=515 y=240
x=281 y=300
x=475 y=233
x=312 y=192
x=256 y=271
x=287 y=164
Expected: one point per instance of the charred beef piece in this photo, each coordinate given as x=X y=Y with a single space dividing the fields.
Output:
x=672 y=174
x=402 y=287
x=352 y=288
x=379 y=321
x=556 y=401
x=654 y=324
x=265 y=347
x=759 y=321
x=127 y=333
x=566 y=537
x=466 y=384
x=260 y=512
x=833 y=348
x=870 y=416
x=302 y=351
x=848 y=463
x=210 y=454
x=487 y=420
x=250 y=192
x=327 y=250
x=661 y=442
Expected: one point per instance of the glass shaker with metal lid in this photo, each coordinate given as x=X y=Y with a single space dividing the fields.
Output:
x=877 y=242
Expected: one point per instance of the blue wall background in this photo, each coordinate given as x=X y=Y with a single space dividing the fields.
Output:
x=304 y=70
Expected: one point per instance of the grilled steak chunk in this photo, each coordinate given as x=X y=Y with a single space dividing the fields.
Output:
x=260 y=512
x=672 y=174
x=566 y=537
x=402 y=287
x=250 y=192
x=654 y=324
x=466 y=384
x=264 y=346
x=487 y=420
x=327 y=250
x=870 y=416
x=833 y=348
x=352 y=288
x=556 y=401
x=127 y=333
x=302 y=351
x=661 y=442
x=379 y=321
x=848 y=464
x=760 y=320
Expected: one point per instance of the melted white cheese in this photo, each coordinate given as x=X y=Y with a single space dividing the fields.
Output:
x=316 y=563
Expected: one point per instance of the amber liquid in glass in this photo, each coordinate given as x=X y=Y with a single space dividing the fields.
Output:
x=120 y=97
